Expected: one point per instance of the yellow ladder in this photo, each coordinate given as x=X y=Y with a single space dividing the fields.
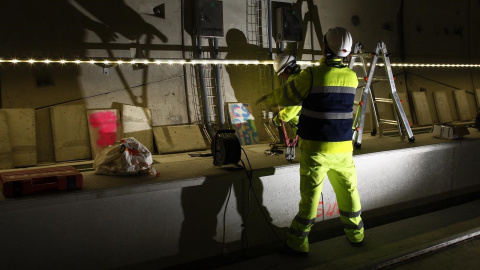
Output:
x=400 y=120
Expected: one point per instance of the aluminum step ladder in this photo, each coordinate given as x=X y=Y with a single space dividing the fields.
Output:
x=400 y=120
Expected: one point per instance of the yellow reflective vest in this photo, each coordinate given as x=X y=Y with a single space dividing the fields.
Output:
x=326 y=93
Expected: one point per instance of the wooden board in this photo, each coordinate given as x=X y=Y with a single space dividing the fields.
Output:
x=243 y=122
x=6 y=155
x=461 y=103
x=104 y=128
x=21 y=126
x=136 y=123
x=175 y=139
x=422 y=110
x=442 y=107
x=70 y=132
x=43 y=126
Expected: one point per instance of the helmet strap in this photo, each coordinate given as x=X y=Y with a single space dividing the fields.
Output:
x=293 y=69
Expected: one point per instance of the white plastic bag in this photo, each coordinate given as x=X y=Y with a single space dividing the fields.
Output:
x=126 y=157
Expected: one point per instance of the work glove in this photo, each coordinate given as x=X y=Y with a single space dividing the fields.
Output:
x=276 y=121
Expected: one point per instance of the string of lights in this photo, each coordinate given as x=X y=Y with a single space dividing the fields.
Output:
x=211 y=62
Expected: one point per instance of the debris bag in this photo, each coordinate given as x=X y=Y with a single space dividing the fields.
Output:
x=125 y=157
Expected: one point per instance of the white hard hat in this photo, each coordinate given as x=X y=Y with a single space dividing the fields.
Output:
x=283 y=61
x=339 y=41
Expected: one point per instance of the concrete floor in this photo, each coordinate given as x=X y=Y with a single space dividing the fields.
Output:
x=391 y=245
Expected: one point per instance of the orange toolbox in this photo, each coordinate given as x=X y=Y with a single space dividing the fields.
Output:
x=31 y=181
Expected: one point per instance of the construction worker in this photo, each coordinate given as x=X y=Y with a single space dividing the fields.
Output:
x=325 y=129
x=285 y=66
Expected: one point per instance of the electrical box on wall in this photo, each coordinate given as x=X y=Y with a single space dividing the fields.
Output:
x=288 y=24
x=208 y=18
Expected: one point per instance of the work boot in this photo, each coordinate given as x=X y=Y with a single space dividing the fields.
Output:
x=356 y=244
x=285 y=249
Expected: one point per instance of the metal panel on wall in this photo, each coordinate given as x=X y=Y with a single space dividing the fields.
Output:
x=208 y=18
x=288 y=24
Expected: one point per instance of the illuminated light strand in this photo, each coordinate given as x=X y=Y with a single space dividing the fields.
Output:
x=214 y=62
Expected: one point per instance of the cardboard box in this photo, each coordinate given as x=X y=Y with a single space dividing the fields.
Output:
x=450 y=131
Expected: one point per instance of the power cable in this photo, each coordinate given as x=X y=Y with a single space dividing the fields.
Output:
x=251 y=188
x=226 y=149
x=224 y=218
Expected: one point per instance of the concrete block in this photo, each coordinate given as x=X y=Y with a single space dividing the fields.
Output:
x=461 y=104
x=104 y=128
x=70 y=132
x=174 y=139
x=137 y=123
x=6 y=155
x=443 y=109
x=43 y=127
x=21 y=125
x=422 y=111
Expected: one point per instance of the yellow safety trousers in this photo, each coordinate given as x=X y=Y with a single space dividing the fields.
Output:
x=342 y=175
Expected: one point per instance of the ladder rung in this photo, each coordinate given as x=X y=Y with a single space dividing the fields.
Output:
x=388 y=122
x=380 y=79
x=384 y=100
x=375 y=78
x=362 y=55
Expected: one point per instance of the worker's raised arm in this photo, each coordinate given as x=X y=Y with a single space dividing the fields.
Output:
x=293 y=92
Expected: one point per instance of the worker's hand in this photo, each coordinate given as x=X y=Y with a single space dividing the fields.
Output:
x=277 y=121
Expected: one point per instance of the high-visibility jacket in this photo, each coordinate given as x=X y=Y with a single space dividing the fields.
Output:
x=327 y=94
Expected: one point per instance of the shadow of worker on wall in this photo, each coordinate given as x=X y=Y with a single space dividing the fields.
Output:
x=249 y=82
x=224 y=216
x=127 y=22
x=39 y=30
x=58 y=29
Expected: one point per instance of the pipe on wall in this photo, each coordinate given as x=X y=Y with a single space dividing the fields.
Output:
x=221 y=113
x=270 y=49
x=203 y=88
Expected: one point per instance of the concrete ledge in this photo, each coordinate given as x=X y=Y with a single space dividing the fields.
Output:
x=195 y=210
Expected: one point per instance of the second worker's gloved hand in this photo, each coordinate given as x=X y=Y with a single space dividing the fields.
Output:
x=276 y=121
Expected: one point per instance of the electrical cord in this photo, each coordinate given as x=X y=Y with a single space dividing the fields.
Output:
x=250 y=178
x=225 y=150
x=224 y=218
